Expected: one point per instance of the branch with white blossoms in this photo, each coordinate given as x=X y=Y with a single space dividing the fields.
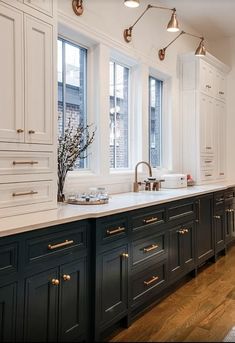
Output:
x=71 y=146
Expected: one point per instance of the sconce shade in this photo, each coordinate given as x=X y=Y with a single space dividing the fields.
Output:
x=132 y=3
x=173 y=25
x=201 y=50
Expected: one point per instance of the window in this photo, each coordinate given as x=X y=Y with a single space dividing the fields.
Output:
x=155 y=119
x=119 y=116
x=72 y=60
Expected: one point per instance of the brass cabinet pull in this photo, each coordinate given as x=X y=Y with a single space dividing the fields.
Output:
x=181 y=231
x=66 y=277
x=217 y=217
x=31 y=132
x=208 y=147
x=219 y=200
x=186 y=230
x=55 y=282
x=24 y=162
x=152 y=247
x=23 y=194
x=20 y=131
x=154 y=278
x=229 y=210
x=221 y=173
x=151 y=220
x=208 y=174
x=208 y=161
x=118 y=230
x=125 y=255
x=221 y=93
x=60 y=245
x=208 y=86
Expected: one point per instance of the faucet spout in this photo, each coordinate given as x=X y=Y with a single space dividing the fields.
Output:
x=136 y=183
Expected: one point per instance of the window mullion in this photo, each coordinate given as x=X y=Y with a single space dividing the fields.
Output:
x=63 y=87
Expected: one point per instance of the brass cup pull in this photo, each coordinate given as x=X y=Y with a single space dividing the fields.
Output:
x=208 y=161
x=221 y=93
x=60 y=245
x=181 y=232
x=152 y=247
x=66 y=277
x=20 y=131
x=154 y=278
x=118 y=230
x=125 y=255
x=31 y=132
x=208 y=147
x=151 y=220
x=55 y=282
x=208 y=86
x=221 y=173
x=217 y=217
x=23 y=194
x=24 y=162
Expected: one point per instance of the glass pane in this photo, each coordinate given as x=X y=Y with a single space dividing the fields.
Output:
x=119 y=112
x=72 y=88
x=60 y=87
x=155 y=113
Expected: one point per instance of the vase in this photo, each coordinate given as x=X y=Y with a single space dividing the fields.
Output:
x=60 y=192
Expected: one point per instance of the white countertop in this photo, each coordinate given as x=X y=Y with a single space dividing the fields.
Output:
x=118 y=203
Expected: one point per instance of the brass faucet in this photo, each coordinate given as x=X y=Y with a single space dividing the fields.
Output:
x=136 y=183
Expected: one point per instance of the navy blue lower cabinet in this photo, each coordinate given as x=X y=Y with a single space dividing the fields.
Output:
x=8 y=296
x=205 y=236
x=112 y=286
x=41 y=306
x=181 y=250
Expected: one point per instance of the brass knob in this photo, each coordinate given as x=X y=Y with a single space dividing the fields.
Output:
x=31 y=132
x=66 y=277
x=55 y=282
x=181 y=232
x=125 y=255
x=20 y=131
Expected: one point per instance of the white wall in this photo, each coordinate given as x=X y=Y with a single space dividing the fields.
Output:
x=224 y=50
x=103 y=21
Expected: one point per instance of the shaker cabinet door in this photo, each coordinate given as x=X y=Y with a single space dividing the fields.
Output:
x=11 y=71
x=7 y=313
x=38 y=81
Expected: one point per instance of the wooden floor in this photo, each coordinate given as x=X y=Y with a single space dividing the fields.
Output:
x=202 y=310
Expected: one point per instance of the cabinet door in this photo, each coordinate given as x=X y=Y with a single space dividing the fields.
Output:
x=38 y=81
x=229 y=226
x=113 y=282
x=188 y=246
x=204 y=229
x=207 y=119
x=220 y=84
x=11 y=71
x=7 y=313
x=175 y=253
x=219 y=226
x=220 y=133
x=45 y=6
x=207 y=78
x=41 y=299
x=73 y=301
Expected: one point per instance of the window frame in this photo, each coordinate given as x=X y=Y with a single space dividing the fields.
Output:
x=125 y=65
x=161 y=120
x=71 y=42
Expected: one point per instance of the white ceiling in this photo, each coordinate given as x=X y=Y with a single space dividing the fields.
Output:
x=213 y=19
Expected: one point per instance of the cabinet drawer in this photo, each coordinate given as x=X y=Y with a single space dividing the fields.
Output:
x=19 y=194
x=147 y=219
x=145 y=249
x=181 y=210
x=207 y=163
x=8 y=258
x=148 y=283
x=61 y=243
x=111 y=229
x=229 y=194
x=207 y=174
x=12 y=163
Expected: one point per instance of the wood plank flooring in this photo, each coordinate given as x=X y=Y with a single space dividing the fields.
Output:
x=202 y=310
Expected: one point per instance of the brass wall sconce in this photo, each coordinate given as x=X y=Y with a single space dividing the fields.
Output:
x=200 y=51
x=132 y=3
x=172 y=26
x=78 y=7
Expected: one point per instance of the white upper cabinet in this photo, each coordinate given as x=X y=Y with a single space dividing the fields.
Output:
x=38 y=81
x=220 y=81
x=207 y=77
x=207 y=125
x=45 y=6
x=11 y=71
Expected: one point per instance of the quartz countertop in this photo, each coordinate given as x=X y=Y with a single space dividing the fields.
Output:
x=118 y=203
